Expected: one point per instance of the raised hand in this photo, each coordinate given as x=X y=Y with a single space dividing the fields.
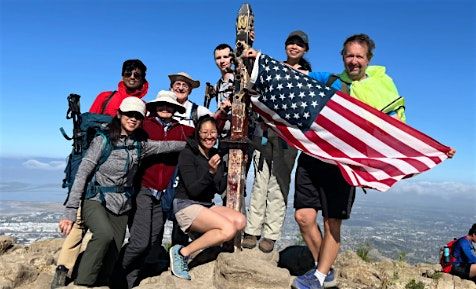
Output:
x=213 y=163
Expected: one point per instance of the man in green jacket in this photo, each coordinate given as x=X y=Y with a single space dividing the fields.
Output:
x=321 y=186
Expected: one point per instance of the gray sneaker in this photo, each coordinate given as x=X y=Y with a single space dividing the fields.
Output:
x=178 y=263
x=60 y=277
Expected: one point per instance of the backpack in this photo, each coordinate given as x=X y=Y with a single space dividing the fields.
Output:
x=168 y=196
x=345 y=86
x=447 y=266
x=86 y=127
x=194 y=113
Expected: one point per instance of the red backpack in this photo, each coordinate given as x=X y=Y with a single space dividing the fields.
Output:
x=446 y=266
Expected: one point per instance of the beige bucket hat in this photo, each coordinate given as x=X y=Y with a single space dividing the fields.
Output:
x=166 y=97
x=182 y=76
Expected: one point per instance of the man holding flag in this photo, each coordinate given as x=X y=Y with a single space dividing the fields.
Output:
x=324 y=187
x=353 y=140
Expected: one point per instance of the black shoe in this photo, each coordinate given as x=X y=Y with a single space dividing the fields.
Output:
x=60 y=277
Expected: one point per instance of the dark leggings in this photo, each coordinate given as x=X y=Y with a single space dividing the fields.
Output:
x=147 y=231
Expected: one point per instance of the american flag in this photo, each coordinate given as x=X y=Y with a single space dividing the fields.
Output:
x=371 y=149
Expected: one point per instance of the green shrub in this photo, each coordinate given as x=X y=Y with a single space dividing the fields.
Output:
x=402 y=256
x=415 y=285
x=167 y=246
x=437 y=275
x=363 y=251
x=300 y=240
x=395 y=275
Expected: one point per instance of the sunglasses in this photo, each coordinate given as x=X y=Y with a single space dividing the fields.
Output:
x=297 y=42
x=136 y=74
x=133 y=114
x=165 y=107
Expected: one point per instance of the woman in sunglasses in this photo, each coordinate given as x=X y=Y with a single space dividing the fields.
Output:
x=202 y=175
x=105 y=186
x=296 y=46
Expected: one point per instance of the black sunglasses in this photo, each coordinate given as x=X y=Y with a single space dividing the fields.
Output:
x=136 y=74
x=133 y=114
x=296 y=41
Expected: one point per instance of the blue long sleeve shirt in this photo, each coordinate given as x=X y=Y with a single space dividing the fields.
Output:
x=464 y=252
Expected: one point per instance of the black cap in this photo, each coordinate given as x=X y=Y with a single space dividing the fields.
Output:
x=300 y=34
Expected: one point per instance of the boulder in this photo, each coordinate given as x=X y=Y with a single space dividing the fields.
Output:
x=249 y=269
x=32 y=267
x=6 y=243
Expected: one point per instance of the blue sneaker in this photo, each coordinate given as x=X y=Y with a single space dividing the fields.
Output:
x=178 y=263
x=328 y=282
x=308 y=281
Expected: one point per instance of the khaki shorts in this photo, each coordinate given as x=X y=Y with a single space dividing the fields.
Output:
x=186 y=216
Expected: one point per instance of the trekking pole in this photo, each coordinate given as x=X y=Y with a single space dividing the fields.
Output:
x=74 y=113
x=209 y=94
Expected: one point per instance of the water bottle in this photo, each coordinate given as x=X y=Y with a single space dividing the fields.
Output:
x=446 y=254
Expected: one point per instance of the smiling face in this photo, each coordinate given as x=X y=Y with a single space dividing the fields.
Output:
x=130 y=121
x=133 y=80
x=295 y=51
x=355 y=60
x=207 y=135
x=182 y=90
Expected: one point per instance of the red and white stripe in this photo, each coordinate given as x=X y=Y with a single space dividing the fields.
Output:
x=371 y=149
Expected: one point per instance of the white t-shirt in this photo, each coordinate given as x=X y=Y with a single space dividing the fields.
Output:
x=186 y=117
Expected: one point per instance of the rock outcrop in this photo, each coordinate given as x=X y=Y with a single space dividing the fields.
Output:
x=33 y=267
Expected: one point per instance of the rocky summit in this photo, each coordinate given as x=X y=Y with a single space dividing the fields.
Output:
x=33 y=267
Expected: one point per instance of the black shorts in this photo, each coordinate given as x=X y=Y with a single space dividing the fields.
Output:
x=461 y=270
x=321 y=186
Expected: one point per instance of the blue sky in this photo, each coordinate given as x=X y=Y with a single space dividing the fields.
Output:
x=52 y=48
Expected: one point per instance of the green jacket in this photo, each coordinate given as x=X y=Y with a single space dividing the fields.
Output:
x=377 y=83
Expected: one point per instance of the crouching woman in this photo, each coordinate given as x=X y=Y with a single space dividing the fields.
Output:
x=105 y=186
x=202 y=175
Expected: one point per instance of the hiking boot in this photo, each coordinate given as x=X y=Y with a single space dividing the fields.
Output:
x=328 y=282
x=266 y=245
x=306 y=282
x=249 y=241
x=60 y=277
x=178 y=263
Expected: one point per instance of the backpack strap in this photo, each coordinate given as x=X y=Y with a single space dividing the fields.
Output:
x=395 y=105
x=194 y=113
x=93 y=188
x=106 y=101
x=107 y=148
x=344 y=85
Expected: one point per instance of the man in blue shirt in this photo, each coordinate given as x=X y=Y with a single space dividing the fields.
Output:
x=465 y=254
